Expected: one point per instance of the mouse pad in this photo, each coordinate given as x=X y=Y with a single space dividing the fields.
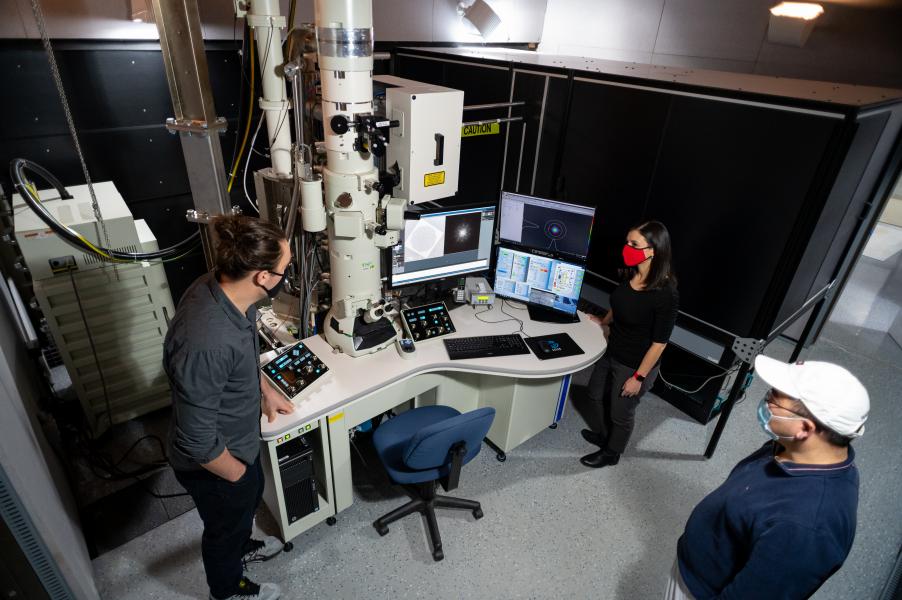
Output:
x=557 y=345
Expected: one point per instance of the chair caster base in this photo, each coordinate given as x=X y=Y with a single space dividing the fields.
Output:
x=288 y=547
x=477 y=513
x=330 y=521
x=438 y=555
x=382 y=530
x=552 y=426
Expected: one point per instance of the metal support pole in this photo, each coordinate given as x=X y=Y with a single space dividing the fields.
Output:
x=494 y=105
x=806 y=332
x=738 y=384
x=490 y=121
x=195 y=121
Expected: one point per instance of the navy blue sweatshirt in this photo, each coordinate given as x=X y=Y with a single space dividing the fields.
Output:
x=772 y=530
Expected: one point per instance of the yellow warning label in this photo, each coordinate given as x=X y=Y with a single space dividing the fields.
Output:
x=437 y=178
x=336 y=417
x=484 y=129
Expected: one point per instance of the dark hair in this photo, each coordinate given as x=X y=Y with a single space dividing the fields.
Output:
x=246 y=244
x=834 y=438
x=660 y=273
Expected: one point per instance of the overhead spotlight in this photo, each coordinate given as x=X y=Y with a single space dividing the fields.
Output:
x=480 y=15
x=139 y=11
x=792 y=22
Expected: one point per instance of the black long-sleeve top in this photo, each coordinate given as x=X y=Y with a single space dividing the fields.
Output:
x=640 y=318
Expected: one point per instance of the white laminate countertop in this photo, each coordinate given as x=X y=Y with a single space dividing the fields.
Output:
x=350 y=379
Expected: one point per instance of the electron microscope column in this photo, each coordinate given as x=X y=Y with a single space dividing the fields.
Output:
x=345 y=49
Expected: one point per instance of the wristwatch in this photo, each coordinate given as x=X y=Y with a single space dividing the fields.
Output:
x=639 y=378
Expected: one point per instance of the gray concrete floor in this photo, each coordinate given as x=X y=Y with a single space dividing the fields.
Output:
x=553 y=528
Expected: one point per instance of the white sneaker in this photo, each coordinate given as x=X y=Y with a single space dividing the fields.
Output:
x=253 y=591
x=262 y=550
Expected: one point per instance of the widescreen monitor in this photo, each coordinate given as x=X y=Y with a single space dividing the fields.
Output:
x=445 y=242
x=538 y=280
x=549 y=226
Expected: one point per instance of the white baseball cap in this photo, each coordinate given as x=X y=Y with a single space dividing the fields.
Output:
x=833 y=395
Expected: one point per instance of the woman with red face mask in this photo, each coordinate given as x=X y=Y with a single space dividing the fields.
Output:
x=638 y=327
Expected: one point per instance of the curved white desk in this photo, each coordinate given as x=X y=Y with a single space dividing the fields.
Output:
x=528 y=395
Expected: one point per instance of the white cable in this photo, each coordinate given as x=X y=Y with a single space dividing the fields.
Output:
x=247 y=165
x=704 y=383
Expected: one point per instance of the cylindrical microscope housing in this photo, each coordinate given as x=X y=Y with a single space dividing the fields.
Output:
x=345 y=53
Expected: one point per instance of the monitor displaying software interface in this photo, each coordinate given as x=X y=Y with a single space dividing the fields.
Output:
x=546 y=225
x=538 y=280
x=443 y=243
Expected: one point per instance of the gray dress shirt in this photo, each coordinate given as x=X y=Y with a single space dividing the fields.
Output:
x=211 y=355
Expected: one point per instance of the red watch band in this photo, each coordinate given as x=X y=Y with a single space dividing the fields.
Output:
x=639 y=378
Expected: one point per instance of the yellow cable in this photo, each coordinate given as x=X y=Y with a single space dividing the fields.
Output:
x=250 y=114
x=37 y=198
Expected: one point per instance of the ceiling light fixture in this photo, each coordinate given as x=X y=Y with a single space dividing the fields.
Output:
x=139 y=11
x=792 y=22
x=481 y=15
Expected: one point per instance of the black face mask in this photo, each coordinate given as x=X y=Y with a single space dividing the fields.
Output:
x=274 y=291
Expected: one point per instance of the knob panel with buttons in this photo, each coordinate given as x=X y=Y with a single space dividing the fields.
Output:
x=294 y=370
x=427 y=322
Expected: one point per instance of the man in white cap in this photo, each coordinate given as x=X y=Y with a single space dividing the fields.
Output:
x=784 y=520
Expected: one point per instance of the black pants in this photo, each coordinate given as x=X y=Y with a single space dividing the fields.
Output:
x=227 y=510
x=617 y=412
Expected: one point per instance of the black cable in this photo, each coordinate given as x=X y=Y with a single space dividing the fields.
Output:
x=17 y=174
x=84 y=320
x=92 y=456
x=135 y=445
x=510 y=318
x=514 y=318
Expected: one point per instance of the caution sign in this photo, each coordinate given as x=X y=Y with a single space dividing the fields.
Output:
x=484 y=129
x=437 y=178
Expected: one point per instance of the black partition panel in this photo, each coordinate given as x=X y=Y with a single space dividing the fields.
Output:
x=768 y=194
x=846 y=207
x=609 y=155
x=732 y=182
x=522 y=150
x=756 y=188
x=534 y=145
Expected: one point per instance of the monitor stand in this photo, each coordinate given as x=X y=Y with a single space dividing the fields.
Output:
x=549 y=315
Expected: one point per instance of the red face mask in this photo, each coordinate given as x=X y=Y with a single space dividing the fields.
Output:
x=633 y=256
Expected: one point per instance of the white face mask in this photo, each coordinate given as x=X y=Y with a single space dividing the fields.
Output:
x=764 y=417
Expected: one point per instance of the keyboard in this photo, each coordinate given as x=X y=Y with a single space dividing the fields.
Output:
x=485 y=346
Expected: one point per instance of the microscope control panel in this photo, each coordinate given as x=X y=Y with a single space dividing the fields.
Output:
x=294 y=370
x=427 y=322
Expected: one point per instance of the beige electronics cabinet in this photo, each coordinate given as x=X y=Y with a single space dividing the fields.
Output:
x=127 y=307
x=426 y=143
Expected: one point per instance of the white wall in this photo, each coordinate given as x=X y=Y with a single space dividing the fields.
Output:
x=855 y=41
x=393 y=20
x=33 y=469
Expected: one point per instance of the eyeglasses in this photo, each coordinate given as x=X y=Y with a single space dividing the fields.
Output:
x=770 y=399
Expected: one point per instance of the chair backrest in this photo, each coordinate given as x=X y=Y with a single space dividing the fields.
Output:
x=431 y=446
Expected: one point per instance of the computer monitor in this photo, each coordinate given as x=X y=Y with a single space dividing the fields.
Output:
x=541 y=281
x=549 y=226
x=443 y=242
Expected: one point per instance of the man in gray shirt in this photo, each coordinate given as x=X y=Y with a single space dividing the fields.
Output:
x=211 y=356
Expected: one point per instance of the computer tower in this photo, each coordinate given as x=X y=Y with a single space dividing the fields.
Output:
x=295 y=463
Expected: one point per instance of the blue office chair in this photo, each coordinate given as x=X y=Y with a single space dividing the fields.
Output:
x=424 y=446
